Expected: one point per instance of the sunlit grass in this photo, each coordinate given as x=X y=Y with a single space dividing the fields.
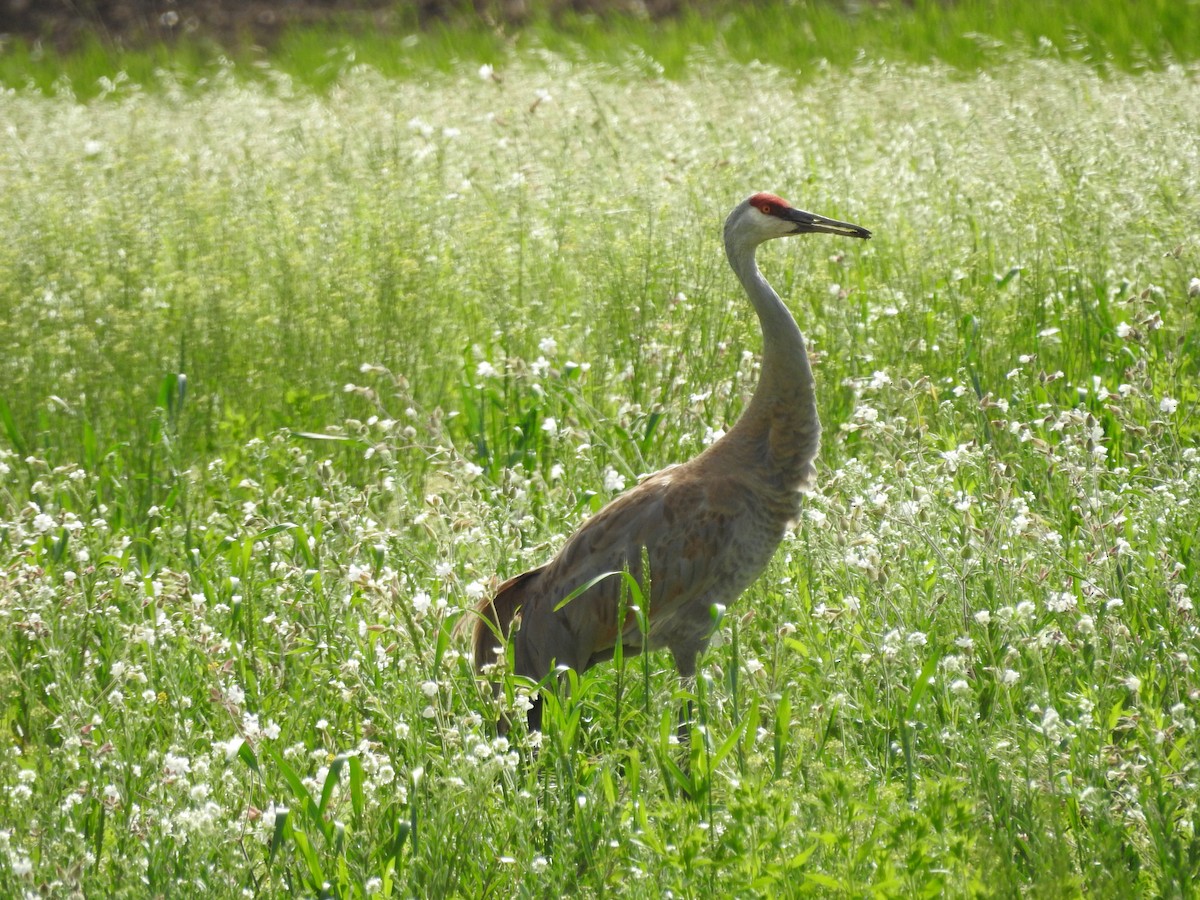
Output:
x=427 y=325
x=802 y=37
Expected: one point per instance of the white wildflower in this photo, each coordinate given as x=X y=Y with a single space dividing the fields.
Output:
x=1181 y=719
x=891 y=643
x=1060 y=601
x=1052 y=724
x=420 y=126
x=228 y=749
x=613 y=480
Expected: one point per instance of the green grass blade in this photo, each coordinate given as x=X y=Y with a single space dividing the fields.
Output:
x=10 y=428
x=331 y=780
x=588 y=585
x=246 y=754
x=357 y=798
x=279 y=833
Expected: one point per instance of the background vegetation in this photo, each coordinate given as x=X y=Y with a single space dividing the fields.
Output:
x=303 y=351
x=82 y=46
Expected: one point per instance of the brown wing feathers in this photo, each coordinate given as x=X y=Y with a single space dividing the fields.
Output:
x=495 y=615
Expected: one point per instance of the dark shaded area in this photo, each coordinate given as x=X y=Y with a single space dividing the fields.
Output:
x=63 y=23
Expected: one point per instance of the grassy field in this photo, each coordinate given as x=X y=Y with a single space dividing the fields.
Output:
x=801 y=36
x=290 y=378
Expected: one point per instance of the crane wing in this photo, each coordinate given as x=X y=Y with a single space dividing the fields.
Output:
x=495 y=614
x=695 y=534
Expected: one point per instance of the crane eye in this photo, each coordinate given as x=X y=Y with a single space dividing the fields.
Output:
x=765 y=209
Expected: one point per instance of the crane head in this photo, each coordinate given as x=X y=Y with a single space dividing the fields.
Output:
x=764 y=216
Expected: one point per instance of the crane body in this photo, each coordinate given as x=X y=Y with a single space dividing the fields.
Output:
x=708 y=526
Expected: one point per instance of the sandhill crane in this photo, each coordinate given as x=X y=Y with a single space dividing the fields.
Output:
x=708 y=526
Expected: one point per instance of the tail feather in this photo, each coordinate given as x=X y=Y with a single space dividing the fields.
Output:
x=495 y=615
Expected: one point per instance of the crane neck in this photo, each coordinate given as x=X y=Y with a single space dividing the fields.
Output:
x=786 y=373
x=779 y=433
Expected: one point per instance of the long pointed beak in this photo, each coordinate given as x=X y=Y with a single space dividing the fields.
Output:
x=809 y=223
